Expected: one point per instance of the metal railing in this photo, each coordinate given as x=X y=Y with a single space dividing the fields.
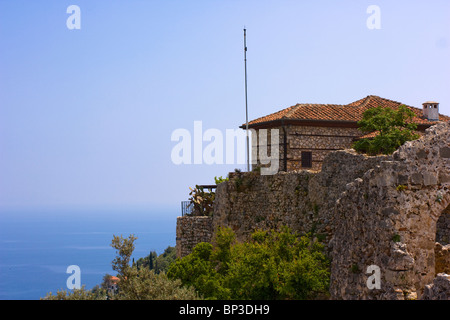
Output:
x=187 y=208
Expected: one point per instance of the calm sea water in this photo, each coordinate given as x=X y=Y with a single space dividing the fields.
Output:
x=36 y=247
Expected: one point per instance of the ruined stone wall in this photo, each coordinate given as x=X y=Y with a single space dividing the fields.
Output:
x=443 y=227
x=442 y=258
x=389 y=218
x=442 y=247
x=439 y=289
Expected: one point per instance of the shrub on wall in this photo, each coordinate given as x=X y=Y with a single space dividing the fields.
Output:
x=392 y=127
x=272 y=265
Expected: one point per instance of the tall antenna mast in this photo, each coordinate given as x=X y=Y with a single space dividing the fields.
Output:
x=246 y=104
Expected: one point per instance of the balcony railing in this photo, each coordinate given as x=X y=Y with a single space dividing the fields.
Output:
x=187 y=208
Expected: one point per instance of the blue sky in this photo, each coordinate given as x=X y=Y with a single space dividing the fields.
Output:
x=86 y=115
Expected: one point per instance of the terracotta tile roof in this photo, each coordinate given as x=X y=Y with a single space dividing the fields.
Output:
x=369 y=135
x=375 y=101
x=351 y=112
x=375 y=133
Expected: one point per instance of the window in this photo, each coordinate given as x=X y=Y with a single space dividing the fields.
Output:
x=306 y=159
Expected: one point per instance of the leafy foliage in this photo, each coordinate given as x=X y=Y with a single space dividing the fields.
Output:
x=393 y=127
x=134 y=284
x=219 y=180
x=142 y=283
x=272 y=265
x=78 y=294
x=157 y=263
x=145 y=284
x=124 y=248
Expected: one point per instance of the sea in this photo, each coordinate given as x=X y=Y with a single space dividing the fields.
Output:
x=38 y=246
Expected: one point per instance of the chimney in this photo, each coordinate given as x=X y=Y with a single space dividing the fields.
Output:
x=431 y=110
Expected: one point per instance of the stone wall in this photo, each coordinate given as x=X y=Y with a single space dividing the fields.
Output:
x=191 y=231
x=250 y=201
x=443 y=227
x=442 y=258
x=318 y=140
x=389 y=218
x=303 y=200
x=439 y=289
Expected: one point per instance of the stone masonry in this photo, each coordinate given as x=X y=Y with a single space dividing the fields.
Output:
x=388 y=218
x=320 y=141
x=191 y=231
x=439 y=289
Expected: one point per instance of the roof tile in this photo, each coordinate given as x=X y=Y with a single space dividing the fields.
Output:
x=333 y=112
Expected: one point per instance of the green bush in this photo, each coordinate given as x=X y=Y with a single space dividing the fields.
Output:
x=197 y=270
x=272 y=265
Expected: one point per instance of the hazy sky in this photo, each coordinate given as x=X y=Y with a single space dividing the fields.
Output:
x=86 y=115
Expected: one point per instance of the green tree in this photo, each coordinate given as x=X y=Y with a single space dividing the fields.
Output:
x=278 y=265
x=150 y=262
x=124 y=248
x=157 y=263
x=164 y=260
x=393 y=127
x=197 y=270
x=141 y=283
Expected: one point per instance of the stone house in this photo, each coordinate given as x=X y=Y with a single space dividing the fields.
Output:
x=308 y=132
